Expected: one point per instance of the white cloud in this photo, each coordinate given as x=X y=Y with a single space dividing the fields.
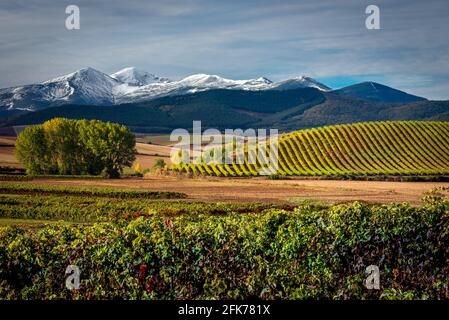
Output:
x=238 y=39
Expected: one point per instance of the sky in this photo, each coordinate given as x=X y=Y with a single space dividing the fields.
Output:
x=326 y=40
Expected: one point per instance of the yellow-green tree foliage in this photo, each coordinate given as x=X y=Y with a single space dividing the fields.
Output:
x=63 y=146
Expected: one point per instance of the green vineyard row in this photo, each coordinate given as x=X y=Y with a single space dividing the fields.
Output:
x=370 y=148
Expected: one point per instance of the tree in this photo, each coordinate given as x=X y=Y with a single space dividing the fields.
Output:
x=64 y=146
x=159 y=164
x=111 y=146
x=32 y=150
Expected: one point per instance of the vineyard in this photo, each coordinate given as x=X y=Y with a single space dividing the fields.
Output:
x=147 y=249
x=371 y=148
x=141 y=244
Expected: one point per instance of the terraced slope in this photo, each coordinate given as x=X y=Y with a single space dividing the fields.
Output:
x=370 y=148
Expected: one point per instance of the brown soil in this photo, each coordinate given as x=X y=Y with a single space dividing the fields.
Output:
x=261 y=190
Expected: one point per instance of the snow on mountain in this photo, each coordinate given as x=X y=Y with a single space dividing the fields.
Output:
x=85 y=86
x=300 y=82
x=213 y=81
x=90 y=86
x=135 y=77
x=190 y=84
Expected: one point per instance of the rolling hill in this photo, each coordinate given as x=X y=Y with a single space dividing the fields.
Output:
x=215 y=108
x=373 y=91
x=373 y=148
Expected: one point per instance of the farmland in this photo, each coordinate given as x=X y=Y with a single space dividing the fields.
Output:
x=381 y=148
x=344 y=197
x=223 y=159
x=254 y=190
x=133 y=248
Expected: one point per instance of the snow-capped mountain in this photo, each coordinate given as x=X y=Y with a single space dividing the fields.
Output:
x=190 y=84
x=300 y=82
x=214 y=81
x=135 y=77
x=85 y=86
x=92 y=87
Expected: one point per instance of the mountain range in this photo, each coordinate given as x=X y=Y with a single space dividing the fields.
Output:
x=91 y=87
x=149 y=103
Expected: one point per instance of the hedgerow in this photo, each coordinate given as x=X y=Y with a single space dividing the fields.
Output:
x=14 y=177
x=307 y=253
x=74 y=208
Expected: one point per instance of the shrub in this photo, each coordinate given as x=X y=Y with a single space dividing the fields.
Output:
x=138 y=169
x=159 y=164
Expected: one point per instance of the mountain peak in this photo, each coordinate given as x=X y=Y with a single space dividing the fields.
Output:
x=203 y=79
x=374 y=91
x=136 y=77
x=265 y=80
x=83 y=74
x=300 y=82
x=87 y=69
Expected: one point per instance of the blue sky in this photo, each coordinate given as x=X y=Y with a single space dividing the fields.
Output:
x=324 y=39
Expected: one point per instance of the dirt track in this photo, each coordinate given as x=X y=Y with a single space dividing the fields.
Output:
x=261 y=190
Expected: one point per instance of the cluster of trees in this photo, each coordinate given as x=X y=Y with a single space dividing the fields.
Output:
x=76 y=147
